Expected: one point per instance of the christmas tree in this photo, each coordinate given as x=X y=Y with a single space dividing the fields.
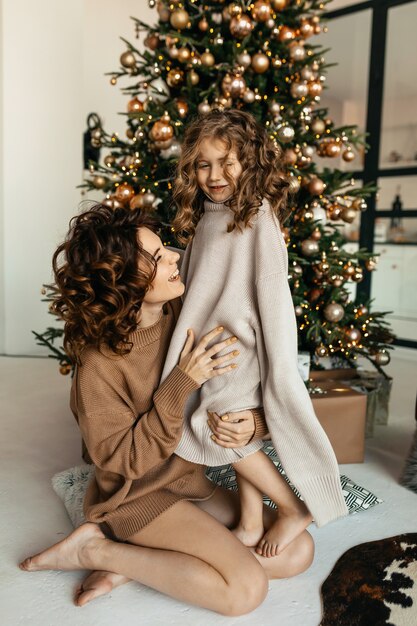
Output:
x=259 y=57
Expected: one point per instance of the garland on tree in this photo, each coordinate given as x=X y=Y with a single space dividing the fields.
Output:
x=258 y=57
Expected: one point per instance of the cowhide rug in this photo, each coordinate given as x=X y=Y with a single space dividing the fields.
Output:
x=373 y=584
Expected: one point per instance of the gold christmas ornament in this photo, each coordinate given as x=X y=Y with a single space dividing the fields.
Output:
x=179 y=19
x=244 y=59
x=286 y=34
x=194 y=77
x=175 y=77
x=285 y=133
x=315 y=89
x=332 y=149
x=363 y=310
x=337 y=280
x=148 y=199
x=136 y=202
x=163 y=12
x=128 y=59
x=233 y=10
x=297 y=52
x=334 y=312
x=260 y=62
x=310 y=247
x=184 y=55
x=164 y=144
x=359 y=204
x=371 y=264
x=203 y=24
x=348 y=215
x=135 y=106
x=316 y=234
x=321 y=350
x=349 y=270
x=306 y=29
x=318 y=126
x=334 y=211
x=233 y=86
x=316 y=186
x=299 y=90
x=358 y=275
x=279 y=5
x=99 y=181
x=109 y=160
x=298 y=310
x=173 y=52
x=307 y=73
x=290 y=157
x=152 y=41
x=314 y=294
x=241 y=26
x=182 y=107
x=65 y=369
x=382 y=357
x=249 y=96
x=162 y=129
x=112 y=202
x=353 y=334
x=208 y=59
x=261 y=11
x=204 y=107
x=124 y=192
x=348 y=155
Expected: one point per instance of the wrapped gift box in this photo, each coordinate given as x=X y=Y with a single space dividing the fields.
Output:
x=342 y=413
x=376 y=386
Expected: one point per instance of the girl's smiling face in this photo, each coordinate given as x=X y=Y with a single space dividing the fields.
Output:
x=213 y=162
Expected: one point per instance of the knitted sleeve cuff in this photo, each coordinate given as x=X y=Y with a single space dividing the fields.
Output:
x=261 y=428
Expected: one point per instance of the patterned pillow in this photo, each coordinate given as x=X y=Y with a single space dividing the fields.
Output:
x=71 y=484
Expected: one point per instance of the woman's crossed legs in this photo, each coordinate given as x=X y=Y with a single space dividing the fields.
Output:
x=185 y=553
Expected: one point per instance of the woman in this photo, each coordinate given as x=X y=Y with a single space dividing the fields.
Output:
x=117 y=289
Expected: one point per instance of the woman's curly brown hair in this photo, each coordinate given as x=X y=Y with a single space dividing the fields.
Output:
x=102 y=274
x=262 y=171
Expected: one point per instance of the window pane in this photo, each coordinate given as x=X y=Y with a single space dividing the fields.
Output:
x=399 y=120
x=346 y=89
x=394 y=283
x=390 y=187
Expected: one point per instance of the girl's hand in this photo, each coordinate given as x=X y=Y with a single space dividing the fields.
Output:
x=232 y=430
x=200 y=363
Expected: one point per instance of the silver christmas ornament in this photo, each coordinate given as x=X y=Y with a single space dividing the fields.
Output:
x=334 y=312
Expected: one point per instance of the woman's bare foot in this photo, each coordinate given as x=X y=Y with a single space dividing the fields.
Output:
x=248 y=535
x=290 y=524
x=69 y=554
x=97 y=584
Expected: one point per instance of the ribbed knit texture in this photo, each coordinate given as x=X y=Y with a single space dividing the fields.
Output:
x=240 y=280
x=131 y=427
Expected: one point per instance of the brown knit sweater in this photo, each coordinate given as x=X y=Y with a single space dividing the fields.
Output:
x=131 y=428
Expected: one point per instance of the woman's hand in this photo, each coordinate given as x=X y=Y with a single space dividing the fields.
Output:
x=201 y=363
x=232 y=430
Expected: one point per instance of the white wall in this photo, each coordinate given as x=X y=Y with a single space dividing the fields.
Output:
x=53 y=56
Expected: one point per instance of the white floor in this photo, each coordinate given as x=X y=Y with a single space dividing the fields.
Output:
x=39 y=438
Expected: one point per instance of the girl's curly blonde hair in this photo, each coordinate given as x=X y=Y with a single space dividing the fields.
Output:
x=262 y=171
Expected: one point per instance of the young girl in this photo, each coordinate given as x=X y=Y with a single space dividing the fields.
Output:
x=230 y=194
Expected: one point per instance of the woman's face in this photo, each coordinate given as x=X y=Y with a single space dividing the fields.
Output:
x=167 y=283
x=212 y=163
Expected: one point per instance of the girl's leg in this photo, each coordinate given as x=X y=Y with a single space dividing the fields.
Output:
x=293 y=516
x=295 y=559
x=250 y=529
x=184 y=553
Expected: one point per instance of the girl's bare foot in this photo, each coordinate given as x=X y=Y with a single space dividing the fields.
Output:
x=97 y=584
x=249 y=536
x=69 y=554
x=290 y=524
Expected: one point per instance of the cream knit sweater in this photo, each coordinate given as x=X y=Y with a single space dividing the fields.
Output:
x=240 y=280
